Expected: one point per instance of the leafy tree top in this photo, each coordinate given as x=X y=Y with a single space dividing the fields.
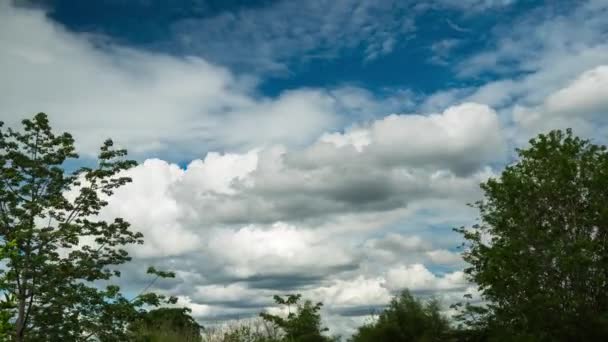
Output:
x=55 y=248
x=540 y=251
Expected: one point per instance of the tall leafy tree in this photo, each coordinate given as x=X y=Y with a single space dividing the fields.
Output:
x=57 y=255
x=540 y=250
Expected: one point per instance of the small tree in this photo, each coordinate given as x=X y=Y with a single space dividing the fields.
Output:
x=165 y=325
x=540 y=251
x=56 y=253
x=406 y=319
x=301 y=325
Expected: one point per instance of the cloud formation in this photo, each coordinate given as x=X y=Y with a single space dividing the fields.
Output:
x=315 y=219
x=582 y=105
x=149 y=102
x=337 y=193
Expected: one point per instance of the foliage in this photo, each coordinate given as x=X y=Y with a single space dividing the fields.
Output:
x=540 y=251
x=301 y=325
x=256 y=330
x=56 y=254
x=165 y=325
x=243 y=330
x=406 y=319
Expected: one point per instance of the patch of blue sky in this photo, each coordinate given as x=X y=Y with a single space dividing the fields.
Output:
x=421 y=58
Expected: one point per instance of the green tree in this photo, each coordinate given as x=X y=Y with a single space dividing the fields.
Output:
x=56 y=254
x=540 y=251
x=165 y=325
x=406 y=319
x=303 y=324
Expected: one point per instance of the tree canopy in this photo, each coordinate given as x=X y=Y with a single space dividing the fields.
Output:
x=540 y=251
x=303 y=324
x=165 y=324
x=406 y=319
x=58 y=256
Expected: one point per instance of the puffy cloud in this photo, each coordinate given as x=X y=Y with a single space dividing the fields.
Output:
x=355 y=172
x=451 y=137
x=252 y=252
x=315 y=220
x=147 y=205
x=234 y=295
x=354 y=297
x=580 y=104
x=460 y=139
x=395 y=248
x=417 y=277
x=587 y=95
x=145 y=101
x=218 y=172
x=291 y=214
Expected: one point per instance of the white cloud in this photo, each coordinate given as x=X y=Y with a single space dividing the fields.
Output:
x=417 y=277
x=147 y=205
x=554 y=37
x=536 y=54
x=148 y=102
x=358 y=292
x=217 y=172
x=290 y=214
x=394 y=248
x=281 y=249
x=239 y=227
x=587 y=95
x=581 y=104
x=460 y=139
x=258 y=209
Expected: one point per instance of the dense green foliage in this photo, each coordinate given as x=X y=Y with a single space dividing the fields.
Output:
x=540 y=251
x=406 y=319
x=301 y=325
x=55 y=251
x=165 y=324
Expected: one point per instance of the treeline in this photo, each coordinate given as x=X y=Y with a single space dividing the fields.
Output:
x=404 y=319
x=538 y=254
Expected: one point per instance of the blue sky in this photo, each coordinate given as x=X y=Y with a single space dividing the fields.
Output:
x=321 y=147
x=411 y=45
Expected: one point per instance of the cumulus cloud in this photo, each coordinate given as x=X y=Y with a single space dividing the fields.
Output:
x=460 y=140
x=395 y=248
x=250 y=192
x=280 y=250
x=239 y=227
x=342 y=174
x=296 y=204
x=581 y=104
x=417 y=277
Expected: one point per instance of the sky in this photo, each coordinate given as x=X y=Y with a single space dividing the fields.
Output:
x=323 y=147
